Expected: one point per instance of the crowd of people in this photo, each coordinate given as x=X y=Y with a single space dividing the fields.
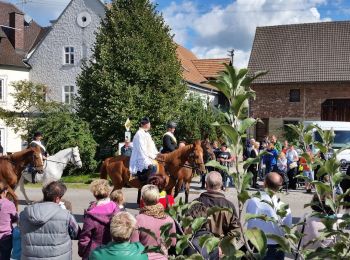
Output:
x=45 y=230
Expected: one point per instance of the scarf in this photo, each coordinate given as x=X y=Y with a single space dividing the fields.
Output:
x=156 y=211
x=171 y=136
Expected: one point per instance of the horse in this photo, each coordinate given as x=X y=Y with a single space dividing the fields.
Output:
x=185 y=174
x=53 y=168
x=12 y=166
x=117 y=168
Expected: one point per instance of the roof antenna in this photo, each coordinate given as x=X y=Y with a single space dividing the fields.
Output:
x=231 y=54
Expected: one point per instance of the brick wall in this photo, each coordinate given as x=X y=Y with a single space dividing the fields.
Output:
x=272 y=101
x=17 y=35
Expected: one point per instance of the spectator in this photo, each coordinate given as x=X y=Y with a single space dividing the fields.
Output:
x=270 y=159
x=314 y=225
x=152 y=217
x=248 y=148
x=123 y=225
x=159 y=181
x=216 y=149
x=222 y=223
x=285 y=146
x=307 y=172
x=258 y=206
x=282 y=167
x=253 y=168
x=8 y=216
x=97 y=219
x=276 y=143
x=225 y=159
x=292 y=161
x=46 y=228
x=126 y=149
x=196 y=211
x=118 y=198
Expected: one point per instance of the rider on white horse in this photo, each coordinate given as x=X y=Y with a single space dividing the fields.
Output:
x=144 y=152
x=38 y=136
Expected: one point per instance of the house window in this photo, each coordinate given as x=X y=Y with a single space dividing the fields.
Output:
x=2 y=89
x=69 y=55
x=294 y=95
x=68 y=94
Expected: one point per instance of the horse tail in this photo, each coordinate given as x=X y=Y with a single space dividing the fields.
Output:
x=103 y=170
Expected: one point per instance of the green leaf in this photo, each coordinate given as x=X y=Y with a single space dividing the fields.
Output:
x=215 y=209
x=227 y=246
x=258 y=239
x=282 y=241
x=210 y=242
x=215 y=164
x=148 y=232
x=198 y=223
x=165 y=229
x=182 y=244
x=243 y=196
x=249 y=216
x=195 y=257
x=246 y=124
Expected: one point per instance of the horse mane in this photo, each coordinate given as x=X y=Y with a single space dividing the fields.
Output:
x=19 y=155
x=178 y=153
x=61 y=152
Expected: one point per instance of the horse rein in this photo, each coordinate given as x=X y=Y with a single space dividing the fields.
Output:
x=75 y=161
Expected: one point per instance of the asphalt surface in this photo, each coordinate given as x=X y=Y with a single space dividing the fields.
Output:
x=80 y=199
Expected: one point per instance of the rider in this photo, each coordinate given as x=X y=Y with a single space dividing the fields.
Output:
x=169 y=140
x=144 y=152
x=38 y=136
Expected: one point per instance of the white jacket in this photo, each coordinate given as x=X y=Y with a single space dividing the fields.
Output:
x=143 y=153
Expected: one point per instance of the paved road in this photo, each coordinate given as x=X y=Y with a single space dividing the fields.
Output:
x=80 y=199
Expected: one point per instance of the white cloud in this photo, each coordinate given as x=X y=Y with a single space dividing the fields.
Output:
x=233 y=26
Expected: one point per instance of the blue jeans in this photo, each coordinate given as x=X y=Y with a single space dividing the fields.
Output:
x=274 y=253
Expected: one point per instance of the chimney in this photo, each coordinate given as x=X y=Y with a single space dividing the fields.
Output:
x=17 y=30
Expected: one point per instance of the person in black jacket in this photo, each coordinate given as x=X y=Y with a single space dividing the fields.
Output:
x=169 y=140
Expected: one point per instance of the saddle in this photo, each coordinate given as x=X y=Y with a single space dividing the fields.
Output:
x=144 y=175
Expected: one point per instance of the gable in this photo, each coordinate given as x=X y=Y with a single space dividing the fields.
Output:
x=314 y=52
x=66 y=31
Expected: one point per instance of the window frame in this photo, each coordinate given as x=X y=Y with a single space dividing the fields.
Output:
x=2 y=89
x=70 y=54
x=70 y=93
x=291 y=97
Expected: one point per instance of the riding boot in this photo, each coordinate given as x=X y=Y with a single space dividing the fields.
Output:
x=33 y=176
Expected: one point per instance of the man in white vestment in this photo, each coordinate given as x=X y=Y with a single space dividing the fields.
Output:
x=144 y=151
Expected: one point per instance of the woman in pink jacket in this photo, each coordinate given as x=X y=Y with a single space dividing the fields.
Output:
x=8 y=215
x=152 y=217
x=97 y=219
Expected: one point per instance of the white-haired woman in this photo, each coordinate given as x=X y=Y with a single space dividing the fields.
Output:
x=122 y=226
x=152 y=217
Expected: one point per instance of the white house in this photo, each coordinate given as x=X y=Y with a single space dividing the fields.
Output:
x=56 y=61
x=18 y=35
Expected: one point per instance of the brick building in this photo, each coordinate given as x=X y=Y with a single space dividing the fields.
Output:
x=308 y=78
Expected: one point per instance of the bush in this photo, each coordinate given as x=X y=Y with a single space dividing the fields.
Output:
x=63 y=129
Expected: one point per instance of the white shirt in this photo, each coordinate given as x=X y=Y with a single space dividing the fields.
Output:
x=258 y=207
x=292 y=155
x=143 y=153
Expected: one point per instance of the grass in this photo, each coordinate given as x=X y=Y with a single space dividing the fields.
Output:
x=73 y=181
x=82 y=179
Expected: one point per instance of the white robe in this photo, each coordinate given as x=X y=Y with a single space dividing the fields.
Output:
x=144 y=151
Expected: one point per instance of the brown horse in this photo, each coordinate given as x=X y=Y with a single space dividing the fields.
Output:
x=12 y=166
x=185 y=174
x=190 y=156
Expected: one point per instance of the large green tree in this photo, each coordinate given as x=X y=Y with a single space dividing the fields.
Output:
x=134 y=72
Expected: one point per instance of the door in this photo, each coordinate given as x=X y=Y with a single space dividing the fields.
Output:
x=262 y=129
x=336 y=110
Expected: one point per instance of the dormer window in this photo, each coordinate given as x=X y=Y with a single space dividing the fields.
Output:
x=69 y=55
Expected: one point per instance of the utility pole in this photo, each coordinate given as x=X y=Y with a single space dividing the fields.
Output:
x=231 y=54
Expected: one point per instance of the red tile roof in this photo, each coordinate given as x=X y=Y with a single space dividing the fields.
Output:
x=32 y=35
x=199 y=71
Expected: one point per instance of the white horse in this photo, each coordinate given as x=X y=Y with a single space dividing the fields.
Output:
x=53 y=168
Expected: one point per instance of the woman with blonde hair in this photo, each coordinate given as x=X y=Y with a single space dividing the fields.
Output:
x=152 y=217
x=97 y=219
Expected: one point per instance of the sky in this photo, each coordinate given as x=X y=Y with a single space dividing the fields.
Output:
x=210 y=28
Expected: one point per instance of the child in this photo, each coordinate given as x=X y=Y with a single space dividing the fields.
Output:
x=117 y=197
x=8 y=216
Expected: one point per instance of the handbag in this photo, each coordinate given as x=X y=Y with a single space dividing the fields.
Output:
x=293 y=165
